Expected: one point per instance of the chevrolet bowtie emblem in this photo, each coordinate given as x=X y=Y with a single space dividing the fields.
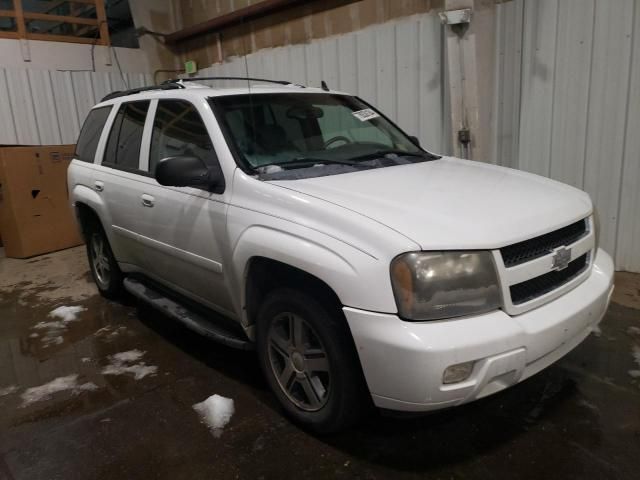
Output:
x=561 y=258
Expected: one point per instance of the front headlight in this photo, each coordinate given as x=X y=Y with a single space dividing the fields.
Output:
x=437 y=285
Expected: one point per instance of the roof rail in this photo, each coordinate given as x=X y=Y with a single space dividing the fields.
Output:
x=124 y=93
x=176 y=81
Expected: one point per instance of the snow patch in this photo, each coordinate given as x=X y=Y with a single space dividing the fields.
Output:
x=270 y=169
x=585 y=403
x=67 y=314
x=50 y=326
x=129 y=356
x=52 y=340
x=633 y=330
x=53 y=330
x=52 y=334
x=216 y=412
x=110 y=332
x=122 y=363
x=60 y=384
x=636 y=354
x=8 y=390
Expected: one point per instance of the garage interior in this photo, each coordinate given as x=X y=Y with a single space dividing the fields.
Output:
x=550 y=87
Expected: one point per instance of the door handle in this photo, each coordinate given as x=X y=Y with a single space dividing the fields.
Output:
x=99 y=186
x=147 y=200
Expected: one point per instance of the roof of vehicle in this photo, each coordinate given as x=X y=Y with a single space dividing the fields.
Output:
x=192 y=89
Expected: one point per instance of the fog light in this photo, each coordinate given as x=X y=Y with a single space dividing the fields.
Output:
x=457 y=373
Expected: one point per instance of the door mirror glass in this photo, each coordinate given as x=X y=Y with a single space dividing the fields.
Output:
x=187 y=171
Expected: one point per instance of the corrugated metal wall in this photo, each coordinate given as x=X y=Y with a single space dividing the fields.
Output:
x=568 y=105
x=397 y=66
x=41 y=107
x=567 y=101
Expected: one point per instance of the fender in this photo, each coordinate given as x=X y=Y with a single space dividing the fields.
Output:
x=326 y=261
x=82 y=194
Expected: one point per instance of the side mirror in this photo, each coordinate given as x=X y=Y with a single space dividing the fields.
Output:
x=184 y=171
x=415 y=140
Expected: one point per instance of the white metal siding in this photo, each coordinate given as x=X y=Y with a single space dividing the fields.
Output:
x=396 y=66
x=568 y=105
x=42 y=107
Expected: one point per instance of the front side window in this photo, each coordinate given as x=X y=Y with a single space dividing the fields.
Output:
x=90 y=134
x=308 y=130
x=178 y=130
x=125 y=138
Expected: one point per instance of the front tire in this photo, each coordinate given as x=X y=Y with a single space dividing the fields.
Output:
x=307 y=355
x=104 y=267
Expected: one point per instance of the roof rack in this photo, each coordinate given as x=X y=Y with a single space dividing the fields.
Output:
x=124 y=93
x=176 y=81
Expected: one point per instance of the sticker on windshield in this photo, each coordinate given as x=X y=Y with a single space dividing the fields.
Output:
x=364 y=115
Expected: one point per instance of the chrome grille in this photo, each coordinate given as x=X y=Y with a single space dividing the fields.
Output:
x=538 y=286
x=531 y=249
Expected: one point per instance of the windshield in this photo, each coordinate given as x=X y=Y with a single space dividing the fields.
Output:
x=300 y=130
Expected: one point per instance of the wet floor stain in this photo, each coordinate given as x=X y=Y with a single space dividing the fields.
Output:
x=114 y=399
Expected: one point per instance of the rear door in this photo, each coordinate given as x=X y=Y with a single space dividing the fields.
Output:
x=183 y=229
x=82 y=171
x=118 y=180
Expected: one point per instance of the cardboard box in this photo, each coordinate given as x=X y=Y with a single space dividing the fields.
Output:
x=35 y=216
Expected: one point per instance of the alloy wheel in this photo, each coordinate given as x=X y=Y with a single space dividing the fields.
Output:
x=299 y=361
x=100 y=260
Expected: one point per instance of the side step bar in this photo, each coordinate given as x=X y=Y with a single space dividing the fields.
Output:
x=189 y=318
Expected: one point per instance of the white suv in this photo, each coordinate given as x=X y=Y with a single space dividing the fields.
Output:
x=303 y=223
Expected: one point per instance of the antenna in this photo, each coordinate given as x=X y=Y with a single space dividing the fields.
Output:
x=323 y=84
x=246 y=71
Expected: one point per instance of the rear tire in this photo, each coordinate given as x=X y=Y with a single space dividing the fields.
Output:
x=307 y=354
x=104 y=267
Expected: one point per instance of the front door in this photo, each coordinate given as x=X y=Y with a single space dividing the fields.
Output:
x=184 y=227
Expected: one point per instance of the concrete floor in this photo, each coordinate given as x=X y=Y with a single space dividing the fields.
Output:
x=578 y=419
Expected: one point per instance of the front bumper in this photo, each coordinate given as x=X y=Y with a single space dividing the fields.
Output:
x=403 y=362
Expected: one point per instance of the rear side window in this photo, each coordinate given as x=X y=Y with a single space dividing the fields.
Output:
x=179 y=130
x=125 y=138
x=90 y=134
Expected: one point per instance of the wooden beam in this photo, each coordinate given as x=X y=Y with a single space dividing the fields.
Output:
x=234 y=17
x=102 y=22
x=61 y=18
x=22 y=29
x=50 y=37
x=20 y=16
x=55 y=5
x=13 y=35
x=62 y=2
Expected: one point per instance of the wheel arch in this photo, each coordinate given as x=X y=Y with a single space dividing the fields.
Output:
x=85 y=214
x=89 y=205
x=265 y=256
x=264 y=275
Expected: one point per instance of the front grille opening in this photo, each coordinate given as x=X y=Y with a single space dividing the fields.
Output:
x=543 y=245
x=536 y=287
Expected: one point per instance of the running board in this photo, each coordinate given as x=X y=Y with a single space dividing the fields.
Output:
x=188 y=318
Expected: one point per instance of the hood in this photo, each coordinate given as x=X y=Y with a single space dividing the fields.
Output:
x=452 y=203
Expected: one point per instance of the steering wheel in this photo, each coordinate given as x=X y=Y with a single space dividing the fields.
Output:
x=337 y=138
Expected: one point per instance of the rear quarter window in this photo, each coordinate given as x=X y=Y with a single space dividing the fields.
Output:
x=90 y=134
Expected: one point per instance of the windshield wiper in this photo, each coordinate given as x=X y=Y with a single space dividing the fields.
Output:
x=301 y=162
x=400 y=153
